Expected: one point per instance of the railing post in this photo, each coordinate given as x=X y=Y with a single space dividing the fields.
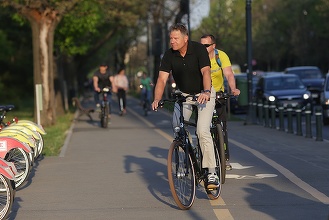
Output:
x=273 y=115
x=298 y=111
x=308 y=114
x=254 y=110
x=318 y=120
x=289 y=115
x=260 y=112
x=266 y=114
x=281 y=118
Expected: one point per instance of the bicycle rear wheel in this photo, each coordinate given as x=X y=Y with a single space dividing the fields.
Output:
x=181 y=180
x=214 y=193
x=40 y=145
x=7 y=193
x=21 y=162
x=221 y=151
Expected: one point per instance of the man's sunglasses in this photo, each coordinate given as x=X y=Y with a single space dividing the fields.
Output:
x=208 y=45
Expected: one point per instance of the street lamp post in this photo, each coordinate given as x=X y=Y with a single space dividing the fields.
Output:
x=249 y=118
x=188 y=18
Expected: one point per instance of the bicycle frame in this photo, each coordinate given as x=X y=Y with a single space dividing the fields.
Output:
x=8 y=169
x=183 y=137
x=184 y=162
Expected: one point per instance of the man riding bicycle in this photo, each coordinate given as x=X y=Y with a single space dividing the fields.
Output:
x=146 y=88
x=189 y=64
x=102 y=78
x=220 y=66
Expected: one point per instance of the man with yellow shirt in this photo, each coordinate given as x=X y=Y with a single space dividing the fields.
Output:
x=220 y=67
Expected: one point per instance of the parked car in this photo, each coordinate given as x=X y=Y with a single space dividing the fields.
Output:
x=312 y=78
x=324 y=99
x=282 y=89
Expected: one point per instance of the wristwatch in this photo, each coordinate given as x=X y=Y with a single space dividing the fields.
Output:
x=206 y=91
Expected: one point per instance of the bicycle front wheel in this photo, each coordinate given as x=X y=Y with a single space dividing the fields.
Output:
x=105 y=116
x=181 y=176
x=221 y=150
x=6 y=196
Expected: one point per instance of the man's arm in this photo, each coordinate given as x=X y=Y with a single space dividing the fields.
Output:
x=111 y=78
x=95 y=83
x=206 y=75
x=229 y=75
x=159 y=88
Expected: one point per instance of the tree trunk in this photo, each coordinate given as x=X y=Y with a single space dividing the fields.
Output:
x=43 y=25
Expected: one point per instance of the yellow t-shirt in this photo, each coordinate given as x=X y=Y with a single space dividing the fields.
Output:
x=216 y=72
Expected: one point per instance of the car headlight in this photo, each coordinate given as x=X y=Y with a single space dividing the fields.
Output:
x=271 y=98
x=306 y=96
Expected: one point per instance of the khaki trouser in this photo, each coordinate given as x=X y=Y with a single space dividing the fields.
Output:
x=205 y=112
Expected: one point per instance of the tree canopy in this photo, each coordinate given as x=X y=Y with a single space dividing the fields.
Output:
x=285 y=33
x=87 y=32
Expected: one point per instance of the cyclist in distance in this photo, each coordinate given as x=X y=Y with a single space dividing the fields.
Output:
x=121 y=85
x=220 y=67
x=146 y=91
x=189 y=63
x=102 y=78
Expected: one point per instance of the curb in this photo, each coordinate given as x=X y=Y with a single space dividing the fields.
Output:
x=68 y=136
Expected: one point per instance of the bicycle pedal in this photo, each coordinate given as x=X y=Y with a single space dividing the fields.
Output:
x=228 y=167
x=212 y=187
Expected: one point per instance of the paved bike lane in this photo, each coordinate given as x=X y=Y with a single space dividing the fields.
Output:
x=278 y=175
x=120 y=172
x=114 y=173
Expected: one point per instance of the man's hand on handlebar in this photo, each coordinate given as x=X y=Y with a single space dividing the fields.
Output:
x=235 y=92
x=155 y=105
x=203 y=97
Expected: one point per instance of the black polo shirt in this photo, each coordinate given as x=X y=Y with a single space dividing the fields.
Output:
x=103 y=79
x=187 y=70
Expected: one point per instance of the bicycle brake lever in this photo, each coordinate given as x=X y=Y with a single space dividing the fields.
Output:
x=161 y=103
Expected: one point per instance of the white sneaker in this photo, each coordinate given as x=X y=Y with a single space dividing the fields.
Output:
x=213 y=181
x=98 y=107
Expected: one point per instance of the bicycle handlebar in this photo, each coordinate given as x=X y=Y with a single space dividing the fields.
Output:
x=6 y=108
x=224 y=95
x=105 y=89
x=178 y=97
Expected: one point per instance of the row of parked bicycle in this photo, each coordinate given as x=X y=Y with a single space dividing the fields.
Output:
x=21 y=143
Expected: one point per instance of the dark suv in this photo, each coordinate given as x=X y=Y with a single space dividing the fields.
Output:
x=311 y=77
x=282 y=89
